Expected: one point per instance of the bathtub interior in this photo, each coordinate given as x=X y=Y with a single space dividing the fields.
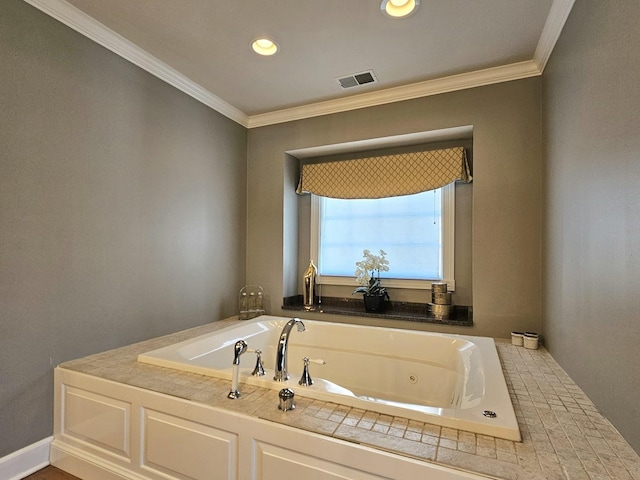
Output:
x=419 y=375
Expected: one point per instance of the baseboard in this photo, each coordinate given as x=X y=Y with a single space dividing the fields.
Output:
x=25 y=461
x=83 y=464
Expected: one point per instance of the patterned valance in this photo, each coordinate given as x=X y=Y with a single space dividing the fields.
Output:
x=385 y=176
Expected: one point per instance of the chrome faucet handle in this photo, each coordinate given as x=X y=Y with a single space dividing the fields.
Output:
x=287 y=400
x=306 y=379
x=238 y=349
x=258 y=371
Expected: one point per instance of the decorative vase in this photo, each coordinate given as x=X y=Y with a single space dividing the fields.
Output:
x=374 y=303
x=309 y=287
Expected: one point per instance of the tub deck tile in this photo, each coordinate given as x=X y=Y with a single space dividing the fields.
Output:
x=475 y=463
x=386 y=442
x=412 y=435
x=397 y=432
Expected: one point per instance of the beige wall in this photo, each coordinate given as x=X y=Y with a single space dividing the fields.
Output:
x=506 y=195
x=122 y=211
x=592 y=195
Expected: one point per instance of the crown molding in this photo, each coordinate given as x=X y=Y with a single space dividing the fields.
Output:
x=558 y=14
x=478 y=78
x=99 y=33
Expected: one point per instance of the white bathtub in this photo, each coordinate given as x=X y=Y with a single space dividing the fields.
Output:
x=447 y=380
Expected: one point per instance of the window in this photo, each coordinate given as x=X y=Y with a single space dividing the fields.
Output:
x=416 y=231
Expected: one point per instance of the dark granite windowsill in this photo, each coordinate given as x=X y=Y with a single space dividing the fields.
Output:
x=414 y=312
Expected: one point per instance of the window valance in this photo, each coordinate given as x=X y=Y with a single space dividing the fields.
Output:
x=385 y=176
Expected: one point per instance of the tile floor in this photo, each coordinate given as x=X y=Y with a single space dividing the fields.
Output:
x=51 y=473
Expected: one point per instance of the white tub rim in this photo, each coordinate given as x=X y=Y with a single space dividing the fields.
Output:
x=496 y=398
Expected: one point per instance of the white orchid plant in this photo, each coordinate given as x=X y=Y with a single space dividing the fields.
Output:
x=368 y=273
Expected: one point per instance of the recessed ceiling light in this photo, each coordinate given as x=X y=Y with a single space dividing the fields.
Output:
x=399 y=8
x=264 y=46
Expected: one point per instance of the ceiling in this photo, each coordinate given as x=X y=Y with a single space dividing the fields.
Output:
x=203 y=48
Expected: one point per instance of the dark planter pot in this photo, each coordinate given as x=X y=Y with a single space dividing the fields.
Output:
x=374 y=303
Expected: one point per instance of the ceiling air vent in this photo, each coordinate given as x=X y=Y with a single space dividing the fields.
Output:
x=357 y=79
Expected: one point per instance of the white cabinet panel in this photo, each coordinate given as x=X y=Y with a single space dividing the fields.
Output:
x=275 y=463
x=187 y=450
x=98 y=420
x=144 y=435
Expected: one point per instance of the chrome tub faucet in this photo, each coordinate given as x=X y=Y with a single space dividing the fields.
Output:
x=281 y=374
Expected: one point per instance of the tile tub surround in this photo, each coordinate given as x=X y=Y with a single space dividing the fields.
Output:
x=564 y=436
